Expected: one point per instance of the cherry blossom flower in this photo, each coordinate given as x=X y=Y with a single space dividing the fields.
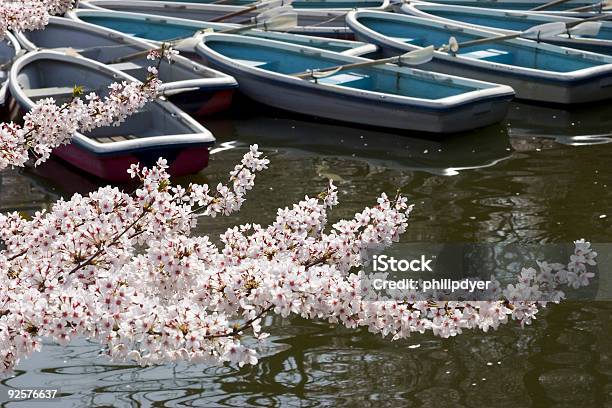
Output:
x=124 y=270
x=21 y=15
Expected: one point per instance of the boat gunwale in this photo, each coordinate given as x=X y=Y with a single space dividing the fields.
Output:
x=584 y=74
x=201 y=137
x=485 y=90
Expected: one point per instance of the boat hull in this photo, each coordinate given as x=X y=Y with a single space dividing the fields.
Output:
x=205 y=101
x=182 y=160
x=327 y=104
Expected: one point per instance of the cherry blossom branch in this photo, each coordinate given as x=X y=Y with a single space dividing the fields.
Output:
x=124 y=270
x=182 y=298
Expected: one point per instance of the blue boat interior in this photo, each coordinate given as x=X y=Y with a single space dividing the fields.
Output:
x=374 y=79
x=506 y=22
x=495 y=4
x=148 y=30
x=303 y=4
x=157 y=31
x=334 y=4
x=505 y=52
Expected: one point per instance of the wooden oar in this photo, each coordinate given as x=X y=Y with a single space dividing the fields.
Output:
x=283 y=21
x=415 y=57
x=260 y=6
x=549 y=5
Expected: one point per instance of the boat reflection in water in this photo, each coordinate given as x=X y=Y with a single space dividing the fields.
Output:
x=303 y=137
x=580 y=125
x=527 y=127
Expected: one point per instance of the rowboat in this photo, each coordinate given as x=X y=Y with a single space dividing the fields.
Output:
x=537 y=71
x=160 y=129
x=384 y=96
x=511 y=22
x=195 y=88
x=518 y=4
x=9 y=48
x=156 y=30
x=324 y=5
x=317 y=22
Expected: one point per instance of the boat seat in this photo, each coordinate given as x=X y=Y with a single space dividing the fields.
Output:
x=413 y=41
x=342 y=79
x=126 y=66
x=115 y=138
x=49 y=92
x=251 y=63
x=491 y=54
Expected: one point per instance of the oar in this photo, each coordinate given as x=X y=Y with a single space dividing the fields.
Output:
x=260 y=6
x=269 y=20
x=587 y=26
x=10 y=62
x=278 y=22
x=549 y=5
x=533 y=33
x=602 y=5
x=415 y=57
x=268 y=14
x=586 y=29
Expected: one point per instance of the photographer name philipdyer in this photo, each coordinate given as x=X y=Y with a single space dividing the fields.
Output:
x=384 y=263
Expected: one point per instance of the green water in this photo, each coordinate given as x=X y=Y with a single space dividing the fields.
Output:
x=541 y=176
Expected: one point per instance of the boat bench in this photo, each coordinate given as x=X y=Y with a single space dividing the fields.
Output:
x=350 y=79
x=49 y=92
x=126 y=66
x=252 y=63
x=412 y=41
x=490 y=54
x=115 y=138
